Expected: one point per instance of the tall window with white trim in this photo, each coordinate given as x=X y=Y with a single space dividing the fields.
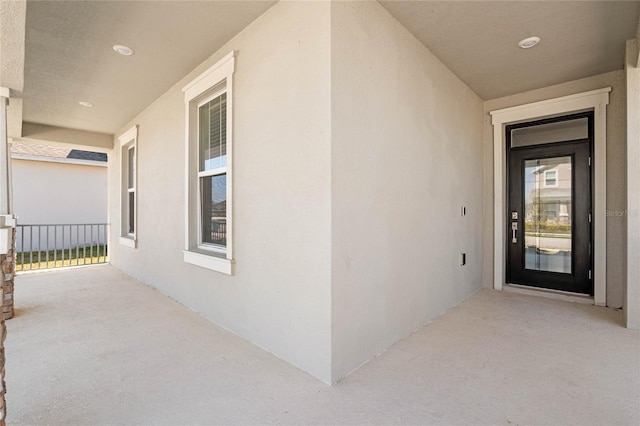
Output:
x=128 y=178
x=208 y=150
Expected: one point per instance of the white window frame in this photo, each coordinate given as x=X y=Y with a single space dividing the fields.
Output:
x=128 y=140
x=555 y=180
x=215 y=81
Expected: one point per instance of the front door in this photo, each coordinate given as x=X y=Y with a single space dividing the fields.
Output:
x=549 y=227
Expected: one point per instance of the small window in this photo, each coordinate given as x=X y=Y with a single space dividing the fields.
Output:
x=128 y=221
x=551 y=178
x=208 y=242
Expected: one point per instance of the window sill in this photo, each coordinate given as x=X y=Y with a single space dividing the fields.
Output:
x=209 y=262
x=128 y=242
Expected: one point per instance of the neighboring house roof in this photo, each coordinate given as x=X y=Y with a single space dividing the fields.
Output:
x=87 y=155
x=57 y=154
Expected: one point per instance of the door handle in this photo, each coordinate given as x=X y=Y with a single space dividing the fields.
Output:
x=514 y=228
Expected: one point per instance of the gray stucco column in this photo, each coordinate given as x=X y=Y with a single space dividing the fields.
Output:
x=5 y=199
x=7 y=242
x=7 y=219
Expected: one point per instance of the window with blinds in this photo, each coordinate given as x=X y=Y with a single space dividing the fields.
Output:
x=213 y=133
x=129 y=188
x=212 y=171
x=208 y=148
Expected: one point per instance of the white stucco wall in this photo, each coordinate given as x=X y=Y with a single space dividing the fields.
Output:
x=58 y=193
x=354 y=150
x=632 y=294
x=616 y=174
x=406 y=156
x=279 y=297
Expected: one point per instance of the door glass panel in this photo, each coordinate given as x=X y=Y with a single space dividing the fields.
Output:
x=568 y=130
x=547 y=220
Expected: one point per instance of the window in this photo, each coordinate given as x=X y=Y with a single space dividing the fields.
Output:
x=551 y=178
x=128 y=178
x=208 y=240
x=212 y=173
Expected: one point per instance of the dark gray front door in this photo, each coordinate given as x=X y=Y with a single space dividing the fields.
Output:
x=549 y=183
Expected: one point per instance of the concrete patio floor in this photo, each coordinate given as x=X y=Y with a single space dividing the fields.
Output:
x=94 y=346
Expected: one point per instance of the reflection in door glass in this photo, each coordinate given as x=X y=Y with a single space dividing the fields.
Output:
x=547 y=220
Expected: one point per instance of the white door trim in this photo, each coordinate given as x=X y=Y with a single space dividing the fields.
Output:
x=596 y=101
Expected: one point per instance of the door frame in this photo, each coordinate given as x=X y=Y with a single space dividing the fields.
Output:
x=596 y=101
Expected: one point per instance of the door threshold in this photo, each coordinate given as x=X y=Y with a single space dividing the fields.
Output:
x=549 y=293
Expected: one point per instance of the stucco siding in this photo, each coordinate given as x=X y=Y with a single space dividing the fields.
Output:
x=279 y=296
x=632 y=294
x=406 y=156
x=58 y=193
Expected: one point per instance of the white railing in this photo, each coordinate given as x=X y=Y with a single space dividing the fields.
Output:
x=56 y=245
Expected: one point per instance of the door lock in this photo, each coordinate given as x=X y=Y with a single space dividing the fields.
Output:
x=514 y=228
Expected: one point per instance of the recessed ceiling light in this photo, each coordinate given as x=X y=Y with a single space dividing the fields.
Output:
x=86 y=104
x=529 y=42
x=123 y=50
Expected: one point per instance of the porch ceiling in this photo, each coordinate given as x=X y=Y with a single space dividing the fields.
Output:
x=478 y=40
x=69 y=56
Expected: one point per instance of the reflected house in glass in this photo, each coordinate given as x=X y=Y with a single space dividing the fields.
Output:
x=549 y=201
x=548 y=210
